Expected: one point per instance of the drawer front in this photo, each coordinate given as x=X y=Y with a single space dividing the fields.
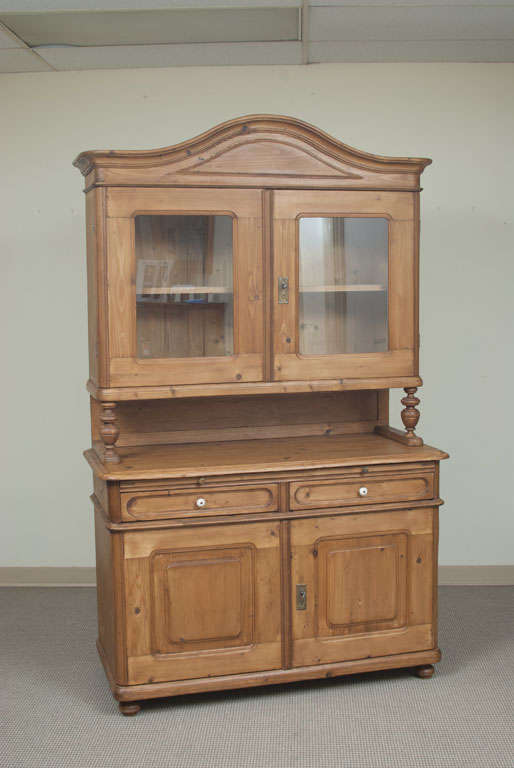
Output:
x=363 y=490
x=189 y=502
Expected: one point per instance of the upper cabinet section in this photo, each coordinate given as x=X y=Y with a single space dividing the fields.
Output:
x=262 y=255
x=263 y=151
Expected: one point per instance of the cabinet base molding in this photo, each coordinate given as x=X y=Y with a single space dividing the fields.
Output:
x=419 y=660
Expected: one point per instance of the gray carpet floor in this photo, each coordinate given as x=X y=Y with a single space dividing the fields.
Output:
x=57 y=710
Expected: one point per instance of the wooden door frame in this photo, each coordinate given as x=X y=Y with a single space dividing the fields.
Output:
x=419 y=632
x=260 y=646
x=248 y=361
x=401 y=211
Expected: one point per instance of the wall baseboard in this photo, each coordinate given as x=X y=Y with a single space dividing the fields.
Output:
x=479 y=575
x=456 y=575
x=48 y=576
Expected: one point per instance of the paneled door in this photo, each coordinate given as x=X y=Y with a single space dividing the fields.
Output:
x=345 y=284
x=362 y=585
x=202 y=601
x=185 y=286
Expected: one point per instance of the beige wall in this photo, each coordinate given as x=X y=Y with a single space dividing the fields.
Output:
x=461 y=115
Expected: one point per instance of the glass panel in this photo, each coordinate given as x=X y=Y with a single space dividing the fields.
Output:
x=343 y=285
x=184 y=287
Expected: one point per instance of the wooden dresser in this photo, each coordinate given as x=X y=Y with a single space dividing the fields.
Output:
x=252 y=297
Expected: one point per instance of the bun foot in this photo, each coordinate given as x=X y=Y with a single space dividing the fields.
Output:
x=425 y=671
x=129 y=708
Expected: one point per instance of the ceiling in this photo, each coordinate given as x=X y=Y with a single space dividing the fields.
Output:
x=48 y=35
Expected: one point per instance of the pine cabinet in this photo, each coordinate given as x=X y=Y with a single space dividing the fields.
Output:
x=252 y=300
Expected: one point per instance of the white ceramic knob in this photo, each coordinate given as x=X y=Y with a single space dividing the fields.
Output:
x=363 y=491
x=200 y=502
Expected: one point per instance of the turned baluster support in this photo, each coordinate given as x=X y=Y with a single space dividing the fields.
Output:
x=109 y=432
x=410 y=417
x=410 y=414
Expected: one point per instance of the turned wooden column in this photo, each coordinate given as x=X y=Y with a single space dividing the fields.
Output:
x=410 y=417
x=410 y=414
x=109 y=432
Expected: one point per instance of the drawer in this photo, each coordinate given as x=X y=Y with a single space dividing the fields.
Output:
x=363 y=490
x=189 y=502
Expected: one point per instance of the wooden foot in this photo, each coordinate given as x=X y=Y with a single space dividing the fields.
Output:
x=425 y=671
x=129 y=708
x=109 y=432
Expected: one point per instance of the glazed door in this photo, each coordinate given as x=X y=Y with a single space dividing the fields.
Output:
x=362 y=586
x=345 y=277
x=202 y=601
x=185 y=286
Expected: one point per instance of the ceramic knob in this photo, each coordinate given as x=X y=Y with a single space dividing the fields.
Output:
x=200 y=502
x=363 y=491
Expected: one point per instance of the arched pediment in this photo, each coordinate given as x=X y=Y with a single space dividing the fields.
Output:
x=258 y=151
x=270 y=156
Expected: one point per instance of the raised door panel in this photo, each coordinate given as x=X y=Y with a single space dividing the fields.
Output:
x=350 y=263
x=185 y=286
x=368 y=581
x=202 y=601
x=362 y=584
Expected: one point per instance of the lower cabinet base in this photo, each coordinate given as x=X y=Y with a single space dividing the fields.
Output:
x=420 y=662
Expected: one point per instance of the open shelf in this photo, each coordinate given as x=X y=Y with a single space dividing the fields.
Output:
x=264 y=455
x=341 y=288
x=170 y=289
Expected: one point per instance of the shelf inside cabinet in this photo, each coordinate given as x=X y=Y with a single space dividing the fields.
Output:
x=357 y=288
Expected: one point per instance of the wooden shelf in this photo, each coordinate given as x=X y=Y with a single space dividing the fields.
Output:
x=265 y=455
x=342 y=288
x=235 y=388
x=181 y=289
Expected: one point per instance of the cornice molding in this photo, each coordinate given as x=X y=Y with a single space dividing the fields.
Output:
x=235 y=148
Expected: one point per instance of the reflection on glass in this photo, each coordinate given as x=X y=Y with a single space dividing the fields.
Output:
x=184 y=286
x=343 y=285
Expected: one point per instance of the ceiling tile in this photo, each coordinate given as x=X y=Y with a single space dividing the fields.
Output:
x=21 y=60
x=402 y=3
x=155 y=27
x=411 y=23
x=426 y=50
x=9 y=40
x=44 y=6
x=137 y=56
